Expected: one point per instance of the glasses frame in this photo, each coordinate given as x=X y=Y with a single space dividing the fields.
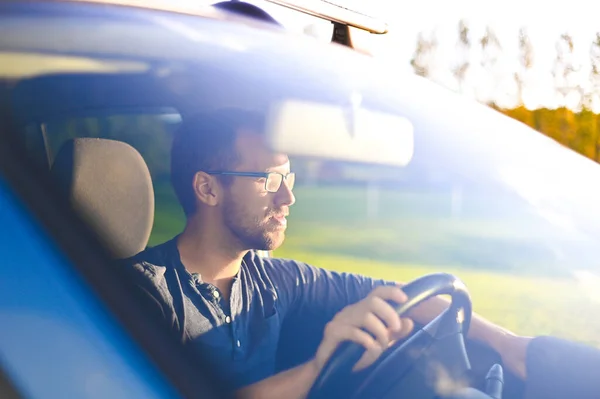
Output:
x=264 y=175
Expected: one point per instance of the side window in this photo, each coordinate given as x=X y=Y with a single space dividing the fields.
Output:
x=148 y=131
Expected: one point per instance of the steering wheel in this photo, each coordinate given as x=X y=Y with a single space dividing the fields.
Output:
x=440 y=342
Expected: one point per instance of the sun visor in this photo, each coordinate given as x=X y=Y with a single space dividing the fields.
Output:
x=353 y=133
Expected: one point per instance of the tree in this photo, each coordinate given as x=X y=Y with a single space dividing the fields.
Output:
x=464 y=49
x=491 y=49
x=423 y=56
x=591 y=96
x=525 y=63
x=565 y=69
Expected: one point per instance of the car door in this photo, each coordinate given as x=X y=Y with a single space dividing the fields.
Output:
x=57 y=339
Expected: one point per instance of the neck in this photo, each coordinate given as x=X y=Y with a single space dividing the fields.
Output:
x=208 y=252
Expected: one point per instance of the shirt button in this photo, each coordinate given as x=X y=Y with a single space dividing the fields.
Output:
x=216 y=294
x=227 y=319
x=238 y=343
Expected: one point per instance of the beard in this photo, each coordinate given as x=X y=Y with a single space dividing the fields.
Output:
x=252 y=232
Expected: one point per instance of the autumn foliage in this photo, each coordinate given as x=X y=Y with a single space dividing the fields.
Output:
x=483 y=66
x=579 y=131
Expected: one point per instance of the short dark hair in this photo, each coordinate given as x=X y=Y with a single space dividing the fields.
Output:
x=206 y=142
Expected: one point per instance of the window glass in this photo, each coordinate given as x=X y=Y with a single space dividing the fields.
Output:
x=517 y=229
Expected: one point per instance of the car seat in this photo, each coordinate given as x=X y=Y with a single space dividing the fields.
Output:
x=109 y=184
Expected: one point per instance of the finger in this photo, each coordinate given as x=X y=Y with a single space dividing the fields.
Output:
x=375 y=326
x=385 y=312
x=405 y=330
x=390 y=293
x=407 y=326
x=368 y=358
x=335 y=333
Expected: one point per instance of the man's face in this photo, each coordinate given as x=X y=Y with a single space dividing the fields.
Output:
x=257 y=218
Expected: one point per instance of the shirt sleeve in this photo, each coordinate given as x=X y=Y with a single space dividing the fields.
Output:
x=308 y=289
x=558 y=368
x=309 y=297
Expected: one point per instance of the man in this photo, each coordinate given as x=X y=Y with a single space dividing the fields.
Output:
x=230 y=303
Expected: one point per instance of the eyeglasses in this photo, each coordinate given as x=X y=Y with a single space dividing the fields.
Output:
x=273 y=180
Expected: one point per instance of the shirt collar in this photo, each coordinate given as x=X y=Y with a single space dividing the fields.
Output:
x=175 y=259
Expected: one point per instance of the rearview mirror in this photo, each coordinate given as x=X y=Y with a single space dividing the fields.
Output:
x=353 y=133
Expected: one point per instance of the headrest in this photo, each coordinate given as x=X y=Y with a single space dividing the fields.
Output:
x=109 y=183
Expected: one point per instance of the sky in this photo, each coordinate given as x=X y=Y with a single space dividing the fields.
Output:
x=544 y=21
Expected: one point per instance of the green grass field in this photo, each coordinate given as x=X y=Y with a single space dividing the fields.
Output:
x=506 y=260
x=524 y=304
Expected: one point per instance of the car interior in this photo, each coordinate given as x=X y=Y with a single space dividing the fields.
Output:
x=99 y=142
x=92 y=159
x=109 y=182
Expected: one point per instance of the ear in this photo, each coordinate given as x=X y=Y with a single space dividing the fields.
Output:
x=207 y=189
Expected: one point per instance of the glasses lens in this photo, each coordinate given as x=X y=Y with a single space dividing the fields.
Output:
x=274 y=182
x=290 y=180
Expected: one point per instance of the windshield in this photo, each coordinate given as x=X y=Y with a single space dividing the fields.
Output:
x=509 y=211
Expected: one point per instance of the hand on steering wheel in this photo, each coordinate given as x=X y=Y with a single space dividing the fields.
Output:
x=372 y=323
x=442 y=338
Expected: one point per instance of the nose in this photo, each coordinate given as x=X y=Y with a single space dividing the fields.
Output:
x=285 y=196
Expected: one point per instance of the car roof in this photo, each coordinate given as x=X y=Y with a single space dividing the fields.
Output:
x=142 y=43
x=328 y=10
x=185 y=7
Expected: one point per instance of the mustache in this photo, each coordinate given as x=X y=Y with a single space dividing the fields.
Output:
x=279 y=212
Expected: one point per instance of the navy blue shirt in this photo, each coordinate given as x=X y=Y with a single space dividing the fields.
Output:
x=273 y=320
